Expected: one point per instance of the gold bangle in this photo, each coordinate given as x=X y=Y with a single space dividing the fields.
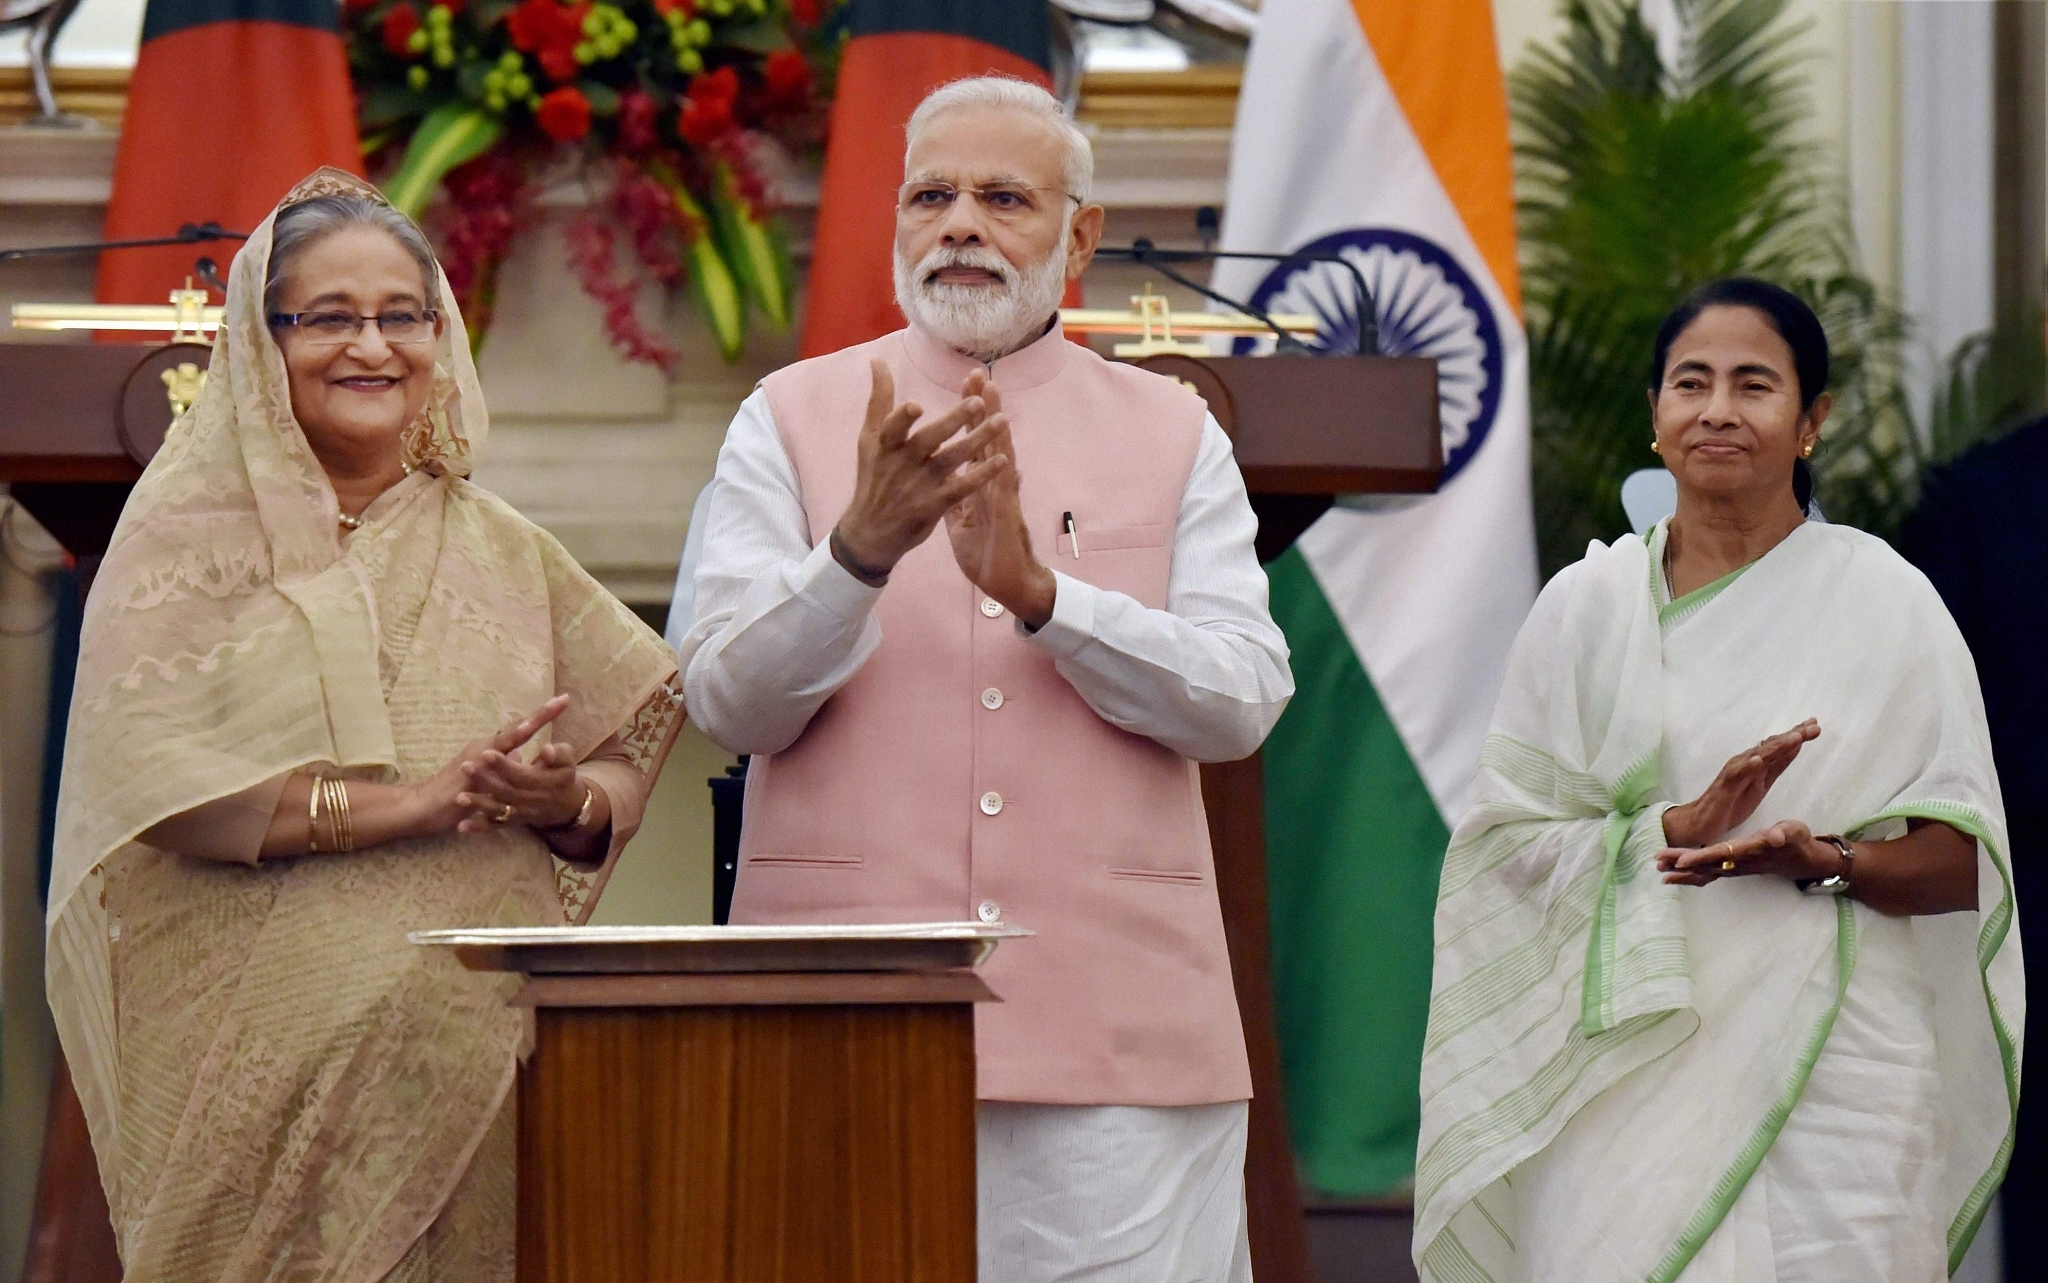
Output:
x=341 y=829
x=313 y=816
x=582 y=812
x=339 y=805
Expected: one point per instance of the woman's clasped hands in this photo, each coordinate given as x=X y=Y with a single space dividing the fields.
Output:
x=1698 y=854
x=486 y=785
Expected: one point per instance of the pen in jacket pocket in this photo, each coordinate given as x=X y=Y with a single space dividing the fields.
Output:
x=1073 y=533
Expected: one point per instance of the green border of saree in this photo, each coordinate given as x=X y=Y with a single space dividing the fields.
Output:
x=1990 y=938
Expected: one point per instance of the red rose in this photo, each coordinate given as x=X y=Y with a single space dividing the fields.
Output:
x=550 y=32
x=685 y=7
x=357 y=6
x=559 y=62
x=707 y=109
x=722 y=85
x=564 y=114
x=804 y=12
x=399 y=24
x=788 y=78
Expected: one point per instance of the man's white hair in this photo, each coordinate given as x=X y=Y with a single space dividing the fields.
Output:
x=1010 y=94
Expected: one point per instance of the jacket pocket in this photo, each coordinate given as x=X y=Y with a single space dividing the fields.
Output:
x=1113 y=539
x=847 y=863
x=1167 y=877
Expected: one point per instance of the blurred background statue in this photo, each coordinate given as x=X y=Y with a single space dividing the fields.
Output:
x=42 y=19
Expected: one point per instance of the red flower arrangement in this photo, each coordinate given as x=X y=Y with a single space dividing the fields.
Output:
x=564 y=114
x=662 y=103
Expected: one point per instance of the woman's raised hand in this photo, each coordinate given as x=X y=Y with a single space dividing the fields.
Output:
x=451 y=798
x=1735 y=793
x=1786 y=849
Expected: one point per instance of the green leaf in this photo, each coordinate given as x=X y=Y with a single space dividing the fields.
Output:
x=752 y=250
x=718 y=294
x=451 y=135
x=469 y=78
x=712 y=281
x=387 y=104
x=604 y=100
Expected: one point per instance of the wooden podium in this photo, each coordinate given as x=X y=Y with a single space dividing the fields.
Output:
x=745 y=1104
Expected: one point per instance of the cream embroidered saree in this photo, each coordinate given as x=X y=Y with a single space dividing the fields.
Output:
x=278 y=1085
x=1624 y=1080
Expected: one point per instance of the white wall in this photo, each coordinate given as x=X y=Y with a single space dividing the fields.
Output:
x=102 y=33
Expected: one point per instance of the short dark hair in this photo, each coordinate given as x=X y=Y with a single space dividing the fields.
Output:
x=1787 y=313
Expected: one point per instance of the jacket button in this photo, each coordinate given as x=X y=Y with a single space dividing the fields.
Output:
x=991 y=802
x=991 y=607
x=991 y=698
x=990 y=911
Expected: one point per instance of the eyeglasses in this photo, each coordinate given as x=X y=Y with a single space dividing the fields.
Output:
x=1004 y=202
x=332 y=329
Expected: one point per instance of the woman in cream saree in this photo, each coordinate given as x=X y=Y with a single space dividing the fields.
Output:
x=277 y=1084
x=1635 y=1072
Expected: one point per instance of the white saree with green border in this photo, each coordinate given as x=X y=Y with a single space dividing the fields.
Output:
x=1627 y=1080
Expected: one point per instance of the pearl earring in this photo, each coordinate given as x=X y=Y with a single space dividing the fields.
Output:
x=1655 y=447
x=1807 y=451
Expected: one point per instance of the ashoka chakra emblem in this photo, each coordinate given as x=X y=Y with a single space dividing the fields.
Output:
x=1426 y=304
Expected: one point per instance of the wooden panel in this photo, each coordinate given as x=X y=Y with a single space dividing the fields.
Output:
x=59 y=407
x=1335 y=424
x=1201 y=97
x=1322 y=426
x=716 y=989
x=98 y=93
x=71 y=1238
x=755 y=1144
x=1234 y=795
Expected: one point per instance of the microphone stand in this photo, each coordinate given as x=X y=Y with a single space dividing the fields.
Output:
x=189 y=234
x=1144 y=251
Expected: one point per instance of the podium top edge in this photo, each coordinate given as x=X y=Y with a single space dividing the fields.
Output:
x=503 y=937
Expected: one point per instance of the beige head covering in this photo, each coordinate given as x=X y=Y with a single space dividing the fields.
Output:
x=231 y=636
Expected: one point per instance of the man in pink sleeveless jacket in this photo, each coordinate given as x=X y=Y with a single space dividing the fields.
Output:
x=1004 y=724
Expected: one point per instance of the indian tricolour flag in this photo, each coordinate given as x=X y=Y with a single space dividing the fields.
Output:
x=1378 y=129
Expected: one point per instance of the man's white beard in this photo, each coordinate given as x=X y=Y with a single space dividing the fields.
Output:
x=983 y=321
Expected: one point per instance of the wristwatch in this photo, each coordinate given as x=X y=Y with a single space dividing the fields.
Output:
x=1838 y=884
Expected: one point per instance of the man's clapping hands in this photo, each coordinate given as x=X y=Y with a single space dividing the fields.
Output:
x=959 y=468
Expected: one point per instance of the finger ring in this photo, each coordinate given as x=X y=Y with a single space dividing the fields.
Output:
x=1727 y=866
x=504 y=814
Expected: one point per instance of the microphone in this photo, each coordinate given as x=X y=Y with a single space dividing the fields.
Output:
x=1142 y=250
x=189 y=234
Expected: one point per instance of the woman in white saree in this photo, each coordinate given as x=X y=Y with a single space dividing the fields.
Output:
x=328 y=692
x=1725 y=1019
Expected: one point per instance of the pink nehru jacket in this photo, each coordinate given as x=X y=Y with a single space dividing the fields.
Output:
x=958 y=775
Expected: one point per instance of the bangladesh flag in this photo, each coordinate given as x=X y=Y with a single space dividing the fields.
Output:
x=231 y=102
x=1378 y=129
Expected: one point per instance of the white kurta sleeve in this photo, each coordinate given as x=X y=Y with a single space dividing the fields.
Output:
x=1207 y=676
x=778 y=624
x=682 y=604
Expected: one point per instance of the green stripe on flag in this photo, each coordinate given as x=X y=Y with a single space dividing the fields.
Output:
x=1354 y=843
